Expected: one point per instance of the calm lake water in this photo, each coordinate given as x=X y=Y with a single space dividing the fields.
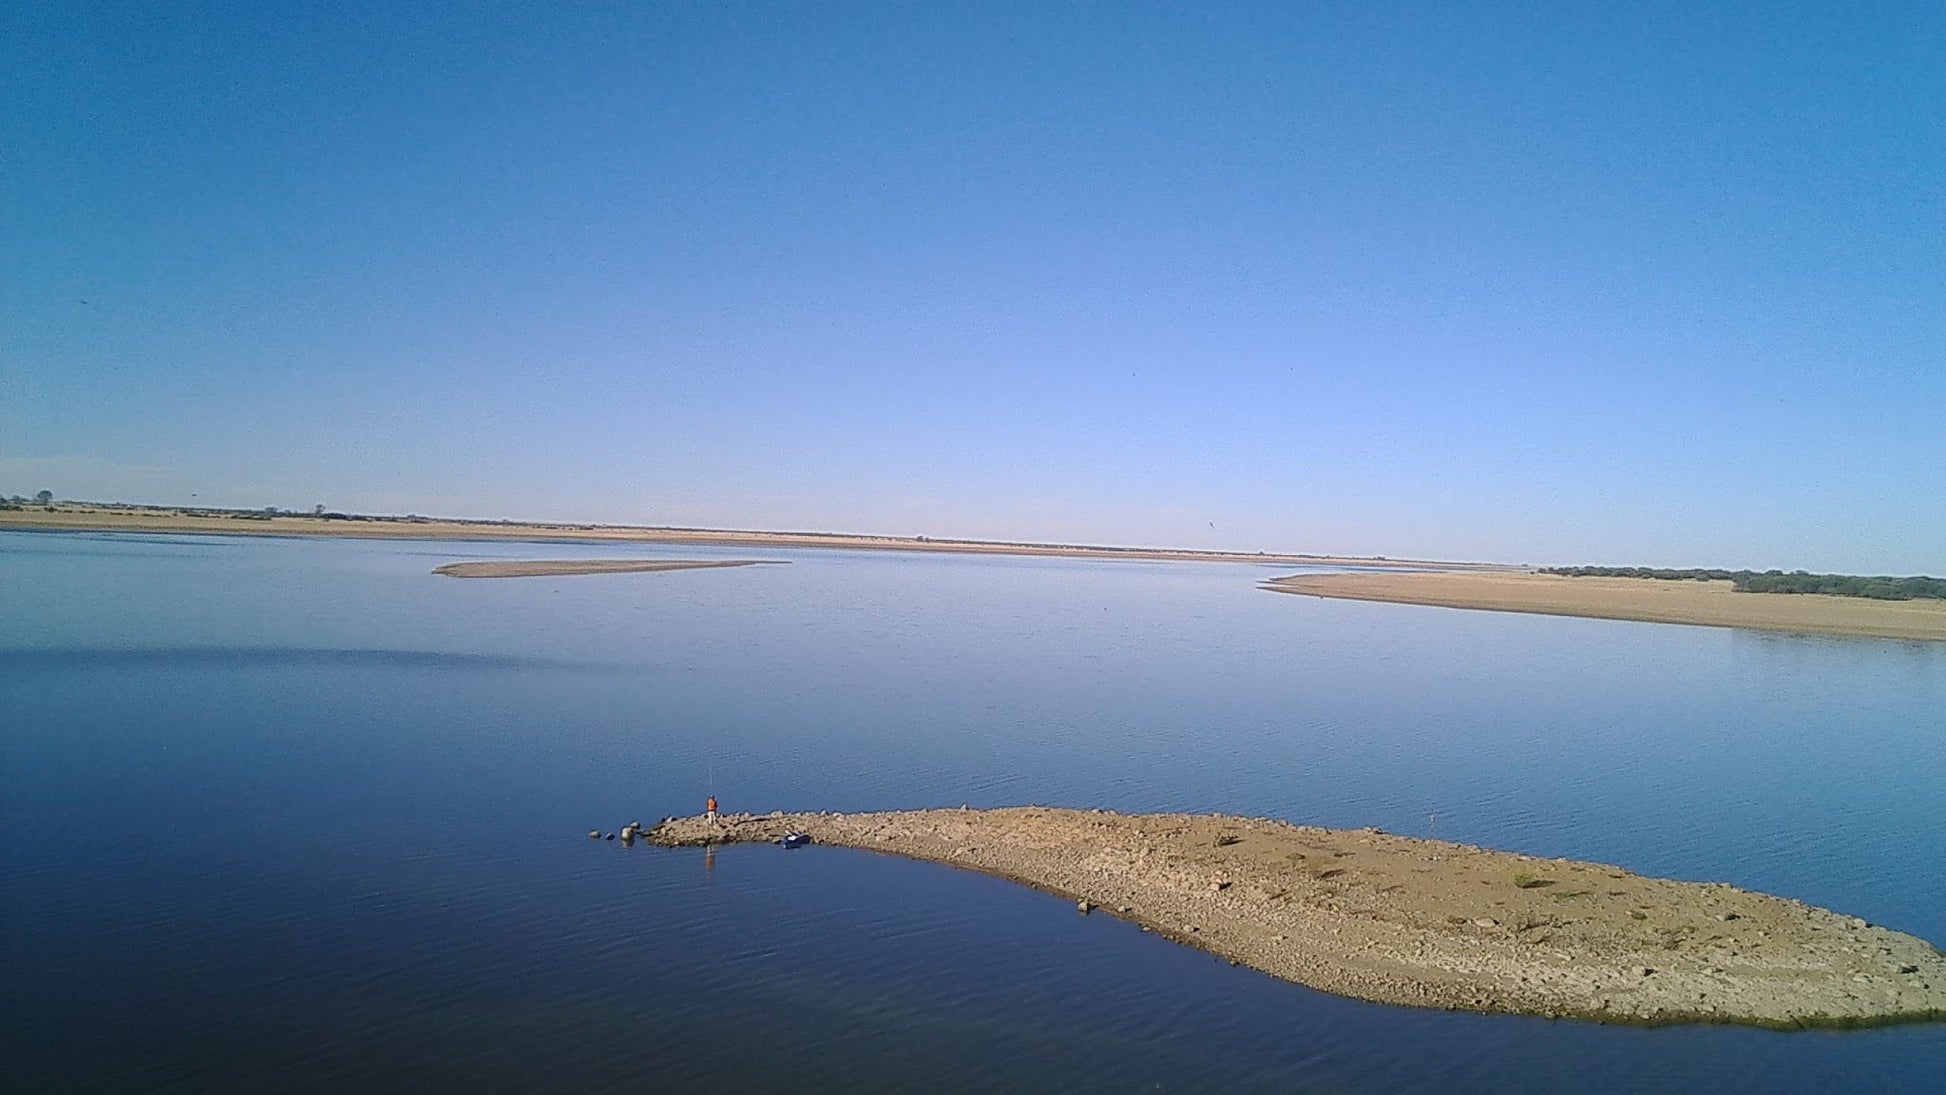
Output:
x=298 y=814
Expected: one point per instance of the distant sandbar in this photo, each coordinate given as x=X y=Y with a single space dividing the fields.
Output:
x=1709 y=604
x=549 y=568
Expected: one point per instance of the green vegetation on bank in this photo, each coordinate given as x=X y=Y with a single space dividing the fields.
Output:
x=1776 y=581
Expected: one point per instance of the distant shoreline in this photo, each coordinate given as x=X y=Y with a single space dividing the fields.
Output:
x=1647 y=600
x=550 y=568
x=1493 y=587
x=85 y=517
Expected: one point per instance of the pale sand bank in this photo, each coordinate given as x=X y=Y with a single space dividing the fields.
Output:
x=547 y=568
x=1711 y=604
x=1419 y=922
x=78 y=517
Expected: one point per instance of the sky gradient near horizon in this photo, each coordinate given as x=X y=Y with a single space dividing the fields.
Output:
x=1631 y=284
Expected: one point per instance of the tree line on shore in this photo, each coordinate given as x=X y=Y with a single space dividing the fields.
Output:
x=1879 y=588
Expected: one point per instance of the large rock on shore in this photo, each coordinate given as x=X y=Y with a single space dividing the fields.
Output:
x=1420 y=922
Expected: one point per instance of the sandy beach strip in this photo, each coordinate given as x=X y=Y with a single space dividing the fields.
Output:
x=1426 y=923
x=549 y=568
x=78 y=517
x=1709 y=604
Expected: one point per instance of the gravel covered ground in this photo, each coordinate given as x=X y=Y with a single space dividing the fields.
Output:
x=1420 y=922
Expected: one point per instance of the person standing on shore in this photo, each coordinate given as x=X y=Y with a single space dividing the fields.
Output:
x=709 y=809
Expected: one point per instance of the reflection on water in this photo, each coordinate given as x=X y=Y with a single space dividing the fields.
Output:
x=248 y=657
x=291 y=814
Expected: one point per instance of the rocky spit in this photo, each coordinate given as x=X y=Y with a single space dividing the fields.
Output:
x=1426 y=923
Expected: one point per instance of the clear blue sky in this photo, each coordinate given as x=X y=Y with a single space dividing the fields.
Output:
x=1659 y=284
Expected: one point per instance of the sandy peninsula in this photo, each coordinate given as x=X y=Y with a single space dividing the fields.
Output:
x=91 y=517
x=1418 y=922
x=549 y=568
x=1709 y=604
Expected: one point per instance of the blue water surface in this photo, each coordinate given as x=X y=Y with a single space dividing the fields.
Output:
x=289 y=814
